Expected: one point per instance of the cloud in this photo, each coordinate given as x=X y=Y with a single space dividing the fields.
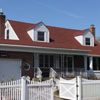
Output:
x=60 y=11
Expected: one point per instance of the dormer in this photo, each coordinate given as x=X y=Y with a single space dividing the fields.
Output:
x=87 y=37
x=39 y=33
x=9 y=32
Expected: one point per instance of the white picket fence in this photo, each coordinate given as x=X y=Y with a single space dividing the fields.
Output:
x=80 y=89
x=10 y=90
x=26 y=90
x=90 y=89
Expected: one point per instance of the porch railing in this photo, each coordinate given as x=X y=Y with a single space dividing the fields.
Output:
x=52 y=73
x=38 y=73
x=71 y=72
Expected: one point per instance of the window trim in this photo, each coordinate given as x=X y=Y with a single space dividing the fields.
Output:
x=88 y=41
x=7 y=35
x=28 y=66
x=48 y=61
x=38 y=36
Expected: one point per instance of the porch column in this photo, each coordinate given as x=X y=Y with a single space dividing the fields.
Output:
x=36 y=62
x=62 y=64
x=91 y=62
x=85 y=63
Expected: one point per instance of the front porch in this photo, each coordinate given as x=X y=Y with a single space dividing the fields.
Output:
x=67 y=65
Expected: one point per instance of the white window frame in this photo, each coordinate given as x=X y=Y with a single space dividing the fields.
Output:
x=44 y=36
x=7 y=34
x=86 y=41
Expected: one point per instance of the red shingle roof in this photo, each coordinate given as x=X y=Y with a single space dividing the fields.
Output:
x=59 y=38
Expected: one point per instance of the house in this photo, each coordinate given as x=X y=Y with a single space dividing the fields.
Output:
x=26 y=46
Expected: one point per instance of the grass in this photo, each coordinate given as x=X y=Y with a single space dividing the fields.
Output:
x=56 y=93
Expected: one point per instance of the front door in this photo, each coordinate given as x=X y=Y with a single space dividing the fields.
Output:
x=45 y=62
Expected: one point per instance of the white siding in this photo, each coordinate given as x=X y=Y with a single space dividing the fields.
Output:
x=31 y=34
x=79 y=39
x=12 y=34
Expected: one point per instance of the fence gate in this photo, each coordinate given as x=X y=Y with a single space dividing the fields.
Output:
x=68 y=89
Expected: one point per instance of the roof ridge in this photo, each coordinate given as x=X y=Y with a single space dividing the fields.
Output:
x=45 y=25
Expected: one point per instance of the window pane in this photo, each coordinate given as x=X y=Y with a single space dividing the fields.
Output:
x=87 y=41
x=41 y=36
x=99 y=63
x=46 y=61
x=94 y=64
x=7 y=34
x=41 y=61
x=51 y=61
x=88 y=63
x=69 y=64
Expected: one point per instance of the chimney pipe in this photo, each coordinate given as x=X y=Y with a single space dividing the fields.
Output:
x=92 y=30
x=2 y=24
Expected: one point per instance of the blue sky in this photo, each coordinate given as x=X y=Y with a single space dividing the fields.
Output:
x=75 y=14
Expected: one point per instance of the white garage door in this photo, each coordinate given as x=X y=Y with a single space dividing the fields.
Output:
x=10 y=69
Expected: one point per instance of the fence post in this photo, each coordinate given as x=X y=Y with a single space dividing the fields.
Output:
x=79 y=81
x=52 y=90
x=24 y=94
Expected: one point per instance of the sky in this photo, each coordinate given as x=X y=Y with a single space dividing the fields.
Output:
x=74 y=14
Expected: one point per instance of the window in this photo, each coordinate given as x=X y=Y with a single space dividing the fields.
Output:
x=70 y=64
x=26 y=67
x=96 y=63
x=88 y=63
x=7 y=34
x=87 y=41
x=46 y=61
x=40 y=36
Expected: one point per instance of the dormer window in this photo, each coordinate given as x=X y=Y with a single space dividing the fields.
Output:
x=40 y=36
x=7 y=35
x=87 y=41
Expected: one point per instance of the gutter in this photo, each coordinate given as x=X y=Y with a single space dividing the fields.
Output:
x=38 y=47
x=94 y=55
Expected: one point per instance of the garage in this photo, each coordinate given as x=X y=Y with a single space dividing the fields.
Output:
x=10 y=69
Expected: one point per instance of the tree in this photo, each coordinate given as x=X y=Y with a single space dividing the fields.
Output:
x=98 y=39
